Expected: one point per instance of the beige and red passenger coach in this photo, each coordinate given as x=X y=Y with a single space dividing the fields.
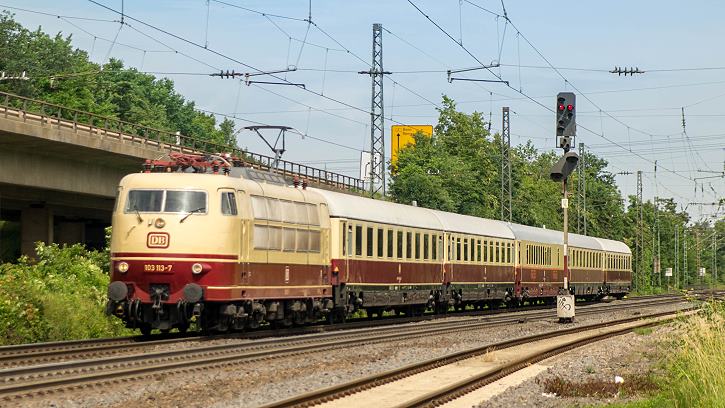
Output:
x=239 y=250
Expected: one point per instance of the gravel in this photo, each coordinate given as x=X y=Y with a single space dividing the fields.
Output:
x=257 y=383
x=631 y=356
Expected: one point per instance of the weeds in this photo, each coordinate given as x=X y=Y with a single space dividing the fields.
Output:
x=598 y=388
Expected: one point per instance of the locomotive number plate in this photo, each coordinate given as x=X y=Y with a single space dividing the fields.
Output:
x=157 y=268
x=157 y=240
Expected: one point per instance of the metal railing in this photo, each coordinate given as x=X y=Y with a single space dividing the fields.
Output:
x=49 y=114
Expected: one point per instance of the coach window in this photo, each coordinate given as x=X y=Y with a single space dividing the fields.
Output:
x=358 y=240
x=400 y=244
x=409 y=245
x=459 y=250
x=229 y=203
x=417 y=246
x=390 y=243
x=369 y=242
x=425 y=246
x=478 y=250
x=314 y=242
x=465 y=249
x=497 y=254
x=436 y=247
x=313 y=215
x=381 y=243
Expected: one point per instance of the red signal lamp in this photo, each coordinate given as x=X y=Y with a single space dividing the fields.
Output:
x=568 y=107
x=561 y=107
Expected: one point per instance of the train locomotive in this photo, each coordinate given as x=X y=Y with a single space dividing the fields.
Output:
x=238 y=248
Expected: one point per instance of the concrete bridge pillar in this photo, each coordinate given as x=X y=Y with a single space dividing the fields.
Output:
x=36 y=225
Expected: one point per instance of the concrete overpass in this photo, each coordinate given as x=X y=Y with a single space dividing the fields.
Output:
x=59 y=169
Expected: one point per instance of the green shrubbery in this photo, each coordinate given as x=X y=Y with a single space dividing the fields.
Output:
x=60 y=297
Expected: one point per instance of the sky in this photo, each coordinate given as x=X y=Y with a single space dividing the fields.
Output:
x=544 y=48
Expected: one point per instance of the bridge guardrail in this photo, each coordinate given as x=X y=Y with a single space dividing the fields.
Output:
x=28 y=109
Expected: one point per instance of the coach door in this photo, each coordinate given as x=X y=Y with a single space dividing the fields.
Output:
x=447 y=254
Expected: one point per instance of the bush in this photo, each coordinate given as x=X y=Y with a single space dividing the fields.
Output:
x=60 y=297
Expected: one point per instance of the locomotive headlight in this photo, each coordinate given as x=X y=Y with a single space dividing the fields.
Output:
x=196 y=268
x=159 y=223
x=122 y=267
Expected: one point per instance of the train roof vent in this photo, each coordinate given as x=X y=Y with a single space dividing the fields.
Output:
x=258 y=175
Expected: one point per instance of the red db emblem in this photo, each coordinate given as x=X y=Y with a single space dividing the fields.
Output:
x=157 y=240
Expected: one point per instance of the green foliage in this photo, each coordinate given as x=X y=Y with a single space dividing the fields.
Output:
x=60 y=297
x=65 y=76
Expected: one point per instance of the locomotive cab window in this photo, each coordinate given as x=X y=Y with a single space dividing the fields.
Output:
x=170 y=201
x=229 y=203
x=144 y=200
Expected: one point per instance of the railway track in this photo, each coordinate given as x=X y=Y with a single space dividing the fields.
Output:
x=44 y=353
x=33 y=380
x=439 y=381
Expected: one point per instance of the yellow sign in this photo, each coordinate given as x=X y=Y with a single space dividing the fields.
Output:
x=403 y=135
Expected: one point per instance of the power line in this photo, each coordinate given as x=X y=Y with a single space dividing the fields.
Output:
x=58 y=15
x=575 y=88
x=222 y=55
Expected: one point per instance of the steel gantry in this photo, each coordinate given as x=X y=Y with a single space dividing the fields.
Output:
x=506 y=167
x=377 y=119
x=581 y=210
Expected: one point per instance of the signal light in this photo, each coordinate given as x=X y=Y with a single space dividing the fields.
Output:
x=565 y=117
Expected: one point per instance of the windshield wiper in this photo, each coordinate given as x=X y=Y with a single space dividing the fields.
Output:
x=191 y=212
x=138 y=214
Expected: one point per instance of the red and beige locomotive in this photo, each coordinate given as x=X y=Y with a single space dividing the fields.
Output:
x=239 y=250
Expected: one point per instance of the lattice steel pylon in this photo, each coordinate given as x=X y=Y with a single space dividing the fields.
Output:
x=640 y=231
x=581 y=189
x=505 y=167
x=377 y=120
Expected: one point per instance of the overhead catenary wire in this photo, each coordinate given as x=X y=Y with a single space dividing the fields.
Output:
x=572 y=85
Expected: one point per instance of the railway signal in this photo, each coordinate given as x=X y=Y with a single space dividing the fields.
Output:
x=565 y=133
x=565 y=119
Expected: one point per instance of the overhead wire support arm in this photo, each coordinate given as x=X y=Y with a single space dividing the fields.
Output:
x=478 y=80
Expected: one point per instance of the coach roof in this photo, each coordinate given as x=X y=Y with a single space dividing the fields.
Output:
x=366 y=209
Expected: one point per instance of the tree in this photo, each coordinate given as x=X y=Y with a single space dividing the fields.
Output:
x=65 y=76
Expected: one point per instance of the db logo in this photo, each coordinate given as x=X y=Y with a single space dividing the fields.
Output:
x=157 y=240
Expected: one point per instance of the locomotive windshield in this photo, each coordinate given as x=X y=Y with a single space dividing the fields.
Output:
x=171 y=201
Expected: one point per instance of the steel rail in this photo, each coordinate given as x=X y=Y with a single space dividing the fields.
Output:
x=30 y=381
x=37 y=353
x=448 y=393
x=41 y=353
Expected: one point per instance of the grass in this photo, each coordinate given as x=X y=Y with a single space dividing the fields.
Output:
x=696 y=367
x=643 y=331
